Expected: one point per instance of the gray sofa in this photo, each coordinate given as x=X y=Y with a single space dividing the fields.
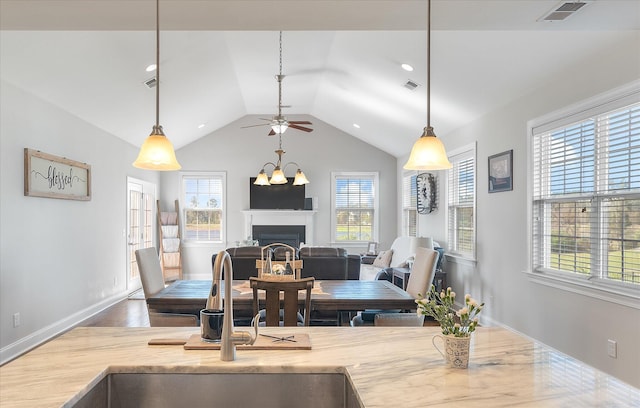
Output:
x=328 y=263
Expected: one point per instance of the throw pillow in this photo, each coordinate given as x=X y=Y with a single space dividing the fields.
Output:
x=383 y=259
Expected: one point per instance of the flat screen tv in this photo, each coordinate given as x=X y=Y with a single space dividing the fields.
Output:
x=276 y=196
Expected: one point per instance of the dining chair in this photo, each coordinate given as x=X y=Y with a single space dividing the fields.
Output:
x=152 y=283
x=289 y=314
x=398 y=319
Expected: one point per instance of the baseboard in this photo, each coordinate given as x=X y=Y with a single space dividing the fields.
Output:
x=35 y=339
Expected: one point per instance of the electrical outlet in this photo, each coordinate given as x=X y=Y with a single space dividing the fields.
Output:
x=115 y=281
x=16 y=319
x=612 y=348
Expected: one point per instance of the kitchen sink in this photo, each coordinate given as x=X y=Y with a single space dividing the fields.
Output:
x=212 y=390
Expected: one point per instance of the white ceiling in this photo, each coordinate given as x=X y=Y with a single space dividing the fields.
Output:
x=341 y=60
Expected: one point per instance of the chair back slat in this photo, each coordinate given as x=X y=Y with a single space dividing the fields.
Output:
x=289 y=300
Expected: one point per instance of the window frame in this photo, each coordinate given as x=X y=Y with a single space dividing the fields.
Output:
x=370 y=175
x=223 y=205
x=586 y=284
x=455 y=157
x=409 y=203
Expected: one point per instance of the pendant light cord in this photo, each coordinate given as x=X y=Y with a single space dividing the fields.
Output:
x=280 y=80
x=429 y=63
x=157 y=63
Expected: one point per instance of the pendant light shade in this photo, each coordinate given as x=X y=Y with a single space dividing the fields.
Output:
x=157 y=151
x=278 y=177
x=300 y=178
x=262 y=179
x=428 y=152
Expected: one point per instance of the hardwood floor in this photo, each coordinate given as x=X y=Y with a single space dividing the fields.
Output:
x=126 y=313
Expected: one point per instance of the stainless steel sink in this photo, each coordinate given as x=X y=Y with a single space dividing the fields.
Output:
x=211 y=390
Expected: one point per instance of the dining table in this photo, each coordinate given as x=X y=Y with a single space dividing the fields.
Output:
x=345 y=297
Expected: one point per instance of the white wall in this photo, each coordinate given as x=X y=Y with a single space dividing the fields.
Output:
x=60 y=260
x=573 y=323
x=241 y=154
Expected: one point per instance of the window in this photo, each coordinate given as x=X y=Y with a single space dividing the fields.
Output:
x=586 y=192
x=203 y=198
x=409 y=205
x=461 y=203
x=355 y=207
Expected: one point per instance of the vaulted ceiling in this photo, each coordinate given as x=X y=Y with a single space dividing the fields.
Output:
x=341 y=59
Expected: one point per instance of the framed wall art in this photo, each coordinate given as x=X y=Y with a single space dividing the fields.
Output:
x=501 y=172
x=427 y=200
x=46 y=175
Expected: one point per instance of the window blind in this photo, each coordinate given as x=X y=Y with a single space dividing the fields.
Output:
x=461 y=197
x=409 y=205
x=355 y=207
x=203 y=207
x=586 y=195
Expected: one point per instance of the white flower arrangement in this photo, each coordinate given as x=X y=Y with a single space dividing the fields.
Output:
x=440 y=306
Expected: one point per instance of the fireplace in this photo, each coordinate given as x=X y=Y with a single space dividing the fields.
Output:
x=291 y=235
x=291 y=227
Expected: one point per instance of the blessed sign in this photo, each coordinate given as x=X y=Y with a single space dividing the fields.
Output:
x=46 y=175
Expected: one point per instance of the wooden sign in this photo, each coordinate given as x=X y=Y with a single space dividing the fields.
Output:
x=46 y=175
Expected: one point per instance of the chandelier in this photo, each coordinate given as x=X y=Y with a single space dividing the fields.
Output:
x=278 y=177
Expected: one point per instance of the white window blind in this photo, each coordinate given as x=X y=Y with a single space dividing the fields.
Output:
x=409 y=205
x=461 y=199
x=355 y=207
x=586 y=195
x=203 y=207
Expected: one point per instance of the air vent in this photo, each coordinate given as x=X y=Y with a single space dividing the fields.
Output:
x=410 y=85
x=563 y=11
x=151 y=82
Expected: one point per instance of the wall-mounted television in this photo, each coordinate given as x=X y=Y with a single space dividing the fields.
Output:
x=276 y=196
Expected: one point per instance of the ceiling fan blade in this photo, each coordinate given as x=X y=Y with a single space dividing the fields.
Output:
x=304 y=129
x=272 y=133
x=263 y=124
x=300 y=122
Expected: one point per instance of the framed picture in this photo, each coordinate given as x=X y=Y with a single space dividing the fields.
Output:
x=372 y=248
x=46 y=175
x=501 y=172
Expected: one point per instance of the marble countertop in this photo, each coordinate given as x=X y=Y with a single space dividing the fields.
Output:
x=389 y=366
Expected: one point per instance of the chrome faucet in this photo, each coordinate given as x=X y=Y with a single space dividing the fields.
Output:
x=229 y=338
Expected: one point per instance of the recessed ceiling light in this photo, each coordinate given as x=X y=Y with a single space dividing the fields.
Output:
x=151 y=67
x=355 y=125
x=407 y=67
x=200 y=126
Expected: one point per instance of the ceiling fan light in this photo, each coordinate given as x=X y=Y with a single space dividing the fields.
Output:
x=278 y=177
x=300 y=179
x=428 y=153
x=157 y=153
x=262 y=179
x=280 y=127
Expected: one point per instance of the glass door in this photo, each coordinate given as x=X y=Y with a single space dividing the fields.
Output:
x=140 y=220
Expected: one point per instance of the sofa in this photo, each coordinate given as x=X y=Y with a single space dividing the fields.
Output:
x=322 y=263
x=243 y=260
x=328 y=263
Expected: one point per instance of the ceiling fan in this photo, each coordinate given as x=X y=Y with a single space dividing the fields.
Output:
x=279 y=124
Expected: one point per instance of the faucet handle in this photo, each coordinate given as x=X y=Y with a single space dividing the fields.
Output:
x=245 y=337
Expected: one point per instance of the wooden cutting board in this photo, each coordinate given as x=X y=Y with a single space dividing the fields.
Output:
x=302 y=342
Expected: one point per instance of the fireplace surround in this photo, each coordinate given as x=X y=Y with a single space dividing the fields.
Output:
x=301 y=219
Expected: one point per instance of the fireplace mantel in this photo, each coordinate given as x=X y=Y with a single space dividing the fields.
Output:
x=281 y=217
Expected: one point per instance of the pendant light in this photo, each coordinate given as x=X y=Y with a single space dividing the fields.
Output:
x=428 y=152
x=157 y=151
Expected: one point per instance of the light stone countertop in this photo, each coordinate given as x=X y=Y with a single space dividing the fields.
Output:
x=389 y=367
